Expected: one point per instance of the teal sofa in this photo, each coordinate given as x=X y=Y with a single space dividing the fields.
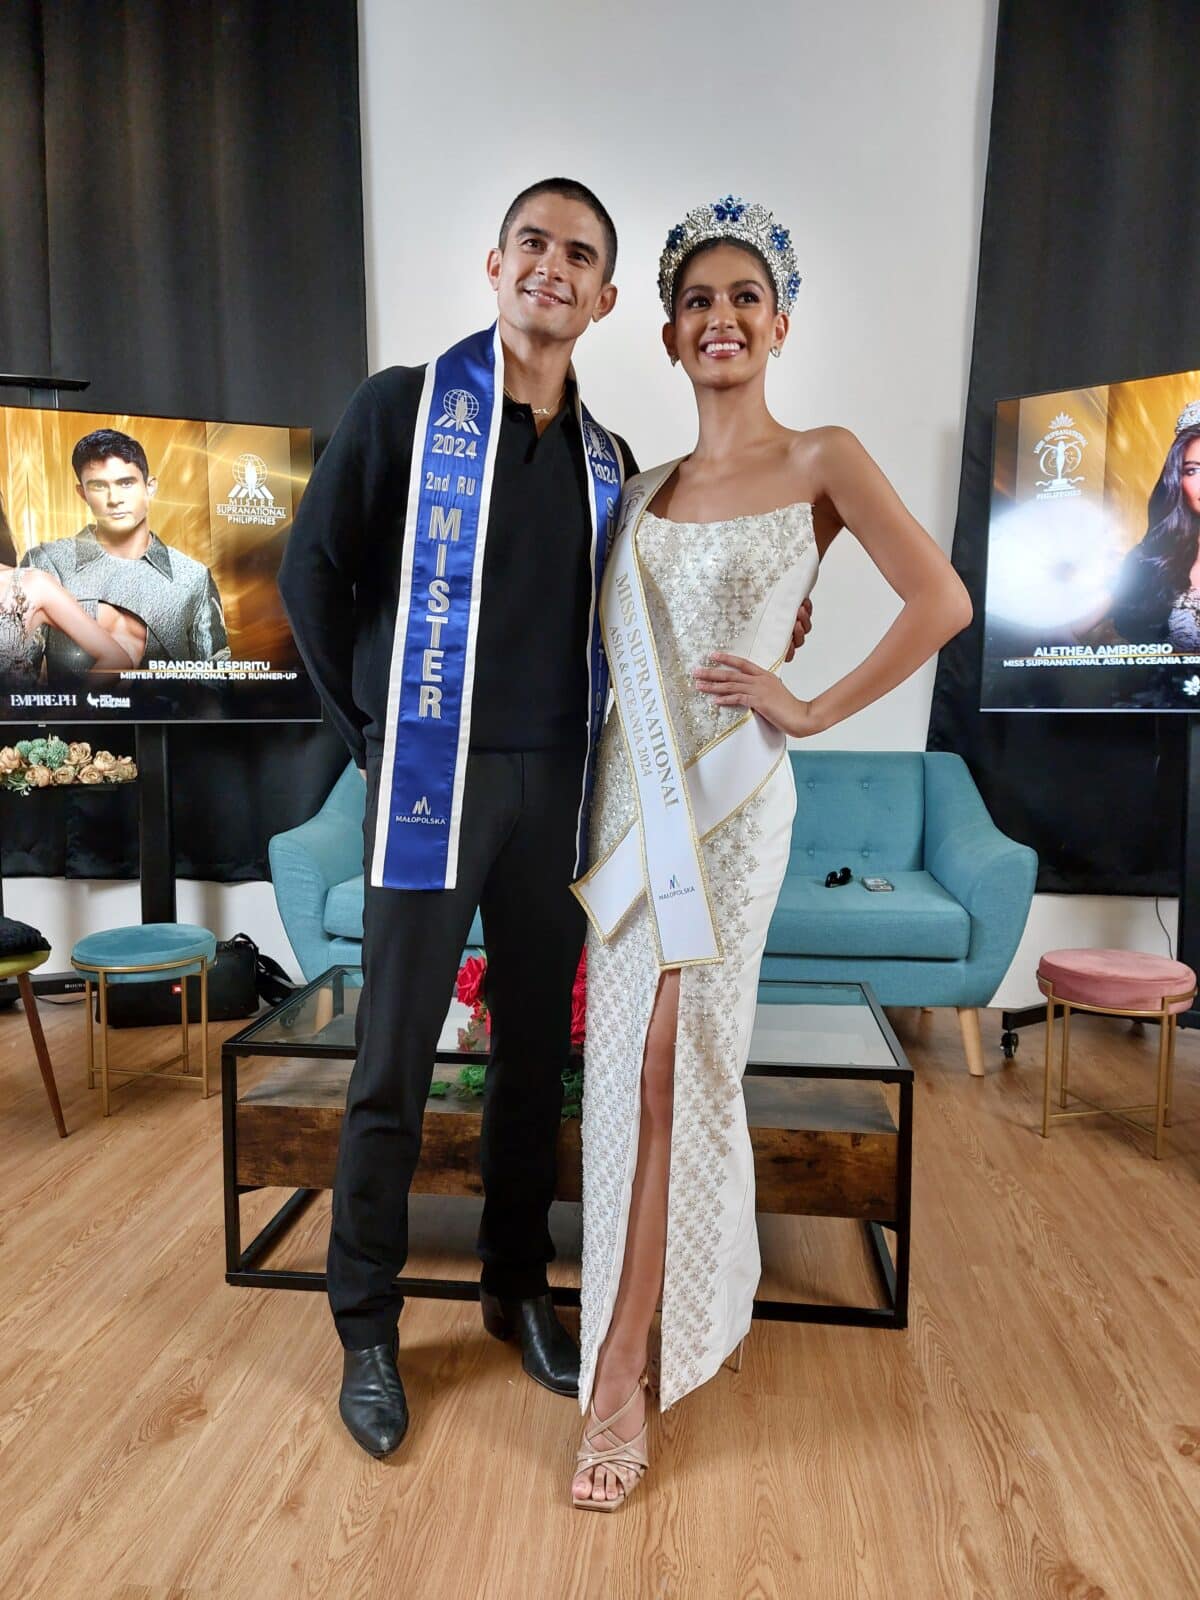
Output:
x=948 y=932
x=945 y=936
x=316 y=870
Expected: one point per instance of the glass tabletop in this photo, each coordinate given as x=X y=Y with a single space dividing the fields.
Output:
x=320 y=1015
x=836 y=1027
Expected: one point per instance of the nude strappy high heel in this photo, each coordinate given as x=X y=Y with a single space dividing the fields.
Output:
x=626 y=1454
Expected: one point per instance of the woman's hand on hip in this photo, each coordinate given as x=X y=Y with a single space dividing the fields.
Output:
x=734 y=681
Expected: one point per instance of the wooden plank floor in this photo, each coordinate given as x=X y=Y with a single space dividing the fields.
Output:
x=1036 y=1432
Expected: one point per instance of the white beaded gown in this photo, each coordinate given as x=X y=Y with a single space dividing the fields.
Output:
x=733 y=586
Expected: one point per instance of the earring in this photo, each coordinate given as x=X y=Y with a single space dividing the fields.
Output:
x=776 y=350
x=674 y=361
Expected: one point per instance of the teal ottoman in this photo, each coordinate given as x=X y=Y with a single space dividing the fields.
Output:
x=147 y=953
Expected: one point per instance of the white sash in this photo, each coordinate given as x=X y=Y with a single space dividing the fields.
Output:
x=660 y=854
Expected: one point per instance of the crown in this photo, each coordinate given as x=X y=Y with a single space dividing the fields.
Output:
x=740 y=223
x=1062 y=420
x=1189 y=417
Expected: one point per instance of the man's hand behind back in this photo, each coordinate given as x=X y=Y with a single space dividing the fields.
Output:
x=801 y=629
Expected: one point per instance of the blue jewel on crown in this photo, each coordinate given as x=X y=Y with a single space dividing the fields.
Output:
x=731 y=218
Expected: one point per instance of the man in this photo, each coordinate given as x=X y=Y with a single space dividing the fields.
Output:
x=441 y=580
x=162 y=605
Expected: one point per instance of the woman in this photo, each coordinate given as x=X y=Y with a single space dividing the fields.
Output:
x=713 y=554
x=1158 y=590
x=31 y=601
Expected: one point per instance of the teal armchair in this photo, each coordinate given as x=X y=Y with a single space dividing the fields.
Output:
x=945 y=937
x=317 y=873
x=948 y=933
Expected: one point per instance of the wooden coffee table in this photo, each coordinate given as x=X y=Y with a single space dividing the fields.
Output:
x=826 y=1142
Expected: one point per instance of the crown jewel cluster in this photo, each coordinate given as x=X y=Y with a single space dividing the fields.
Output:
x=741 y=222
x=1189 y=417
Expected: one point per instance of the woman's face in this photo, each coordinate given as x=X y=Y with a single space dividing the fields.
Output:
x=725 y=319
x=1190 y=477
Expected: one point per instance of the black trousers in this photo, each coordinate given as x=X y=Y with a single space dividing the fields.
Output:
x=516 y=861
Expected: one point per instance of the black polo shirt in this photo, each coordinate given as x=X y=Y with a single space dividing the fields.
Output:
x=340 y=578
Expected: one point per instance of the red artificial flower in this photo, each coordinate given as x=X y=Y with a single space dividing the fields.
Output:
x=468 y=986
x=579 y=1003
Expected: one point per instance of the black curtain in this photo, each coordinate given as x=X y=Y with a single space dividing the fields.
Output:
x=181 y=217
x=1090 y=233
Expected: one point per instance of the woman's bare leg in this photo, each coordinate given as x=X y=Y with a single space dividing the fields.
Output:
x=622 y=1358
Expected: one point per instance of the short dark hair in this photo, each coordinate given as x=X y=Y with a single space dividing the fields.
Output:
x=569 y=189
x=106 y=442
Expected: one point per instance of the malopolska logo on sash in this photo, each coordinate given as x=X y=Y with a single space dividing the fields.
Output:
x=432 y=670
x=422 y=813
x=674 y=888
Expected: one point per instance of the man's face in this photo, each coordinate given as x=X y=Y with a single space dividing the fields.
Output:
x=116 y=494
x=549 y=278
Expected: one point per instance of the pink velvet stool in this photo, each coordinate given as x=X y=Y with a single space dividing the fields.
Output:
x=1118 y=983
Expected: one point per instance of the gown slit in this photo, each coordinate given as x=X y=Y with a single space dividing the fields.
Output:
x=732 y=586
x=635 y=1158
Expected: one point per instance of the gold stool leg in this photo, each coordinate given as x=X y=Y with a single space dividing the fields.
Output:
x=102 y=980
x=1049 y=1062
x=1164 y=1069
x=1065 y=1068
x=1168 y=1109
x=204 y=1089
x=91 y=1049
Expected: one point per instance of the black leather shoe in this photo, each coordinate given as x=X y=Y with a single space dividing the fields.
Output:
x=548 y=1353
x=372 y=1402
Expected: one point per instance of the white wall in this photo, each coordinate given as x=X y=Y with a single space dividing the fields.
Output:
x=64 y=911
x=862 y=124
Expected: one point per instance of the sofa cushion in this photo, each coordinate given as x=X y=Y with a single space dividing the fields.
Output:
x=917 y=920
x=861 y=808
x=344 y=909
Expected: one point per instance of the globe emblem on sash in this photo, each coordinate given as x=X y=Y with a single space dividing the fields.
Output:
x=459 y=410
x=597 y=442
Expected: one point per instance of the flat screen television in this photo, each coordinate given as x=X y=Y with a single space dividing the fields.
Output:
x=138 y=566
x=1093 y=566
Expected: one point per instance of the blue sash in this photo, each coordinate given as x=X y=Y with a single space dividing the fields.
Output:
x=432 y=673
